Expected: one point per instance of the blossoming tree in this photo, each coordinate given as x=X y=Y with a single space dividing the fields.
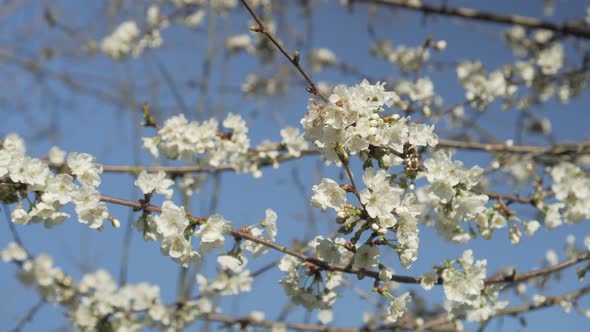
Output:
x=406 y=190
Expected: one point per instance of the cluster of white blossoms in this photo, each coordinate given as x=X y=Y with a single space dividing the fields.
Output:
x=416 y=93
x=334 y=251
x=238 y=43
x=293 y=140
x=350 y=121
x=191 y=183
x=482 y=89
x=551 y=59
x=259 y=86
x=233 y=278
x=129 y=39
x=174 y=231
x=350 y=124
x=150 y=183
x=571 y=186
x=121 y=42
x=204 y=144
x=449 y=195
x=397 y=308
x=408 y=59
x=97 y=303
x=50 y=282
x=387 y=209
x=522 y=171
x=180 y=139
x=266 y=229
x=321 y=58
x=548 y=54
x=309 y=286
x=542 y=56
x=464 y=286
x=227 y=281
x=22 y=175
x=174 y=228
x=317 y=291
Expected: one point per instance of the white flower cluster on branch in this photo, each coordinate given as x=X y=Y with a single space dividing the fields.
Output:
x=204 y=144
x=22 y=175
x=97 y=303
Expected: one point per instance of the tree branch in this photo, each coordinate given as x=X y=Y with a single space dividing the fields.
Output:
x=557 y=149
x=570 y=29
x=360 y=271
x=549 y=301
x=293 y=59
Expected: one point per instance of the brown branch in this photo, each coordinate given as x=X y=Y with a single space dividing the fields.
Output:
x=549 y=301
x=557 y=149
x=293 y=59
x=243 y=322
x=261 y=162
x=538 y=273
x=246 y=321
x=570 y=29
x=512 y=198
x=360 y=271
x=564 y=148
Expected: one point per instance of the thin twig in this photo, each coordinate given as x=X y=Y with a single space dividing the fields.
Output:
x=293 y=59
x=29 y=316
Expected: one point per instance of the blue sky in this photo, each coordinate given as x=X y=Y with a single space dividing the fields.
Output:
x=111 y=133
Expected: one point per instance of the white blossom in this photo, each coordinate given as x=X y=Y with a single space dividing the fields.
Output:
x=19 y=215
x=13 y=252
x=551 y=257
x=332 y=251
x=172 y=221
x=328 y=194
x=482 y=89
x=56 y=155
x=237 y=43
x=551 y=59
x=149 y=182
x=60 y=190
x=293 y=140
x=366 y=256
x=213 y=232
x=428 y=280
x=84 y=168
x=465 y=285
x=178 y=248
x=121 y=41
x=90 y=209
x=407 y=58
x=233 y=263
x=31 y=171
x=320 y=58
x=397 y=308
